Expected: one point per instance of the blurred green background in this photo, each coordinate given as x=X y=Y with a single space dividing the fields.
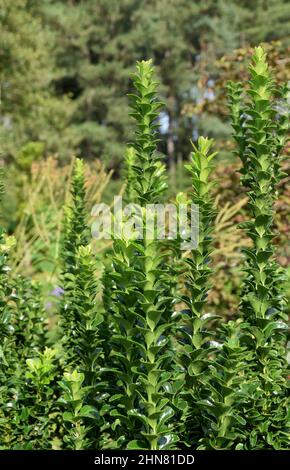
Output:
x=65 y=68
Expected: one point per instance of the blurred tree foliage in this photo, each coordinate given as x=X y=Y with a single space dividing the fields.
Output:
x=32 y=117
x=64 y=66
x=97 y=44
x=231 y=66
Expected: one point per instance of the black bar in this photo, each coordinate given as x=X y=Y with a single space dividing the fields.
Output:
x=133 y=458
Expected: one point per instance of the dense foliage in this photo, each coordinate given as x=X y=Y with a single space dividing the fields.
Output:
x=64 y=65
x=148 y=366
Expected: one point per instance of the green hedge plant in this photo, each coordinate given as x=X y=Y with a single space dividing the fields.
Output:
x=139 y=371
x=140 y=298
x=260 y=131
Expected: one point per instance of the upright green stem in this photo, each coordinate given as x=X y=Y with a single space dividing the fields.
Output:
x=194 y=354
x=141 y=305
x=262 y=303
